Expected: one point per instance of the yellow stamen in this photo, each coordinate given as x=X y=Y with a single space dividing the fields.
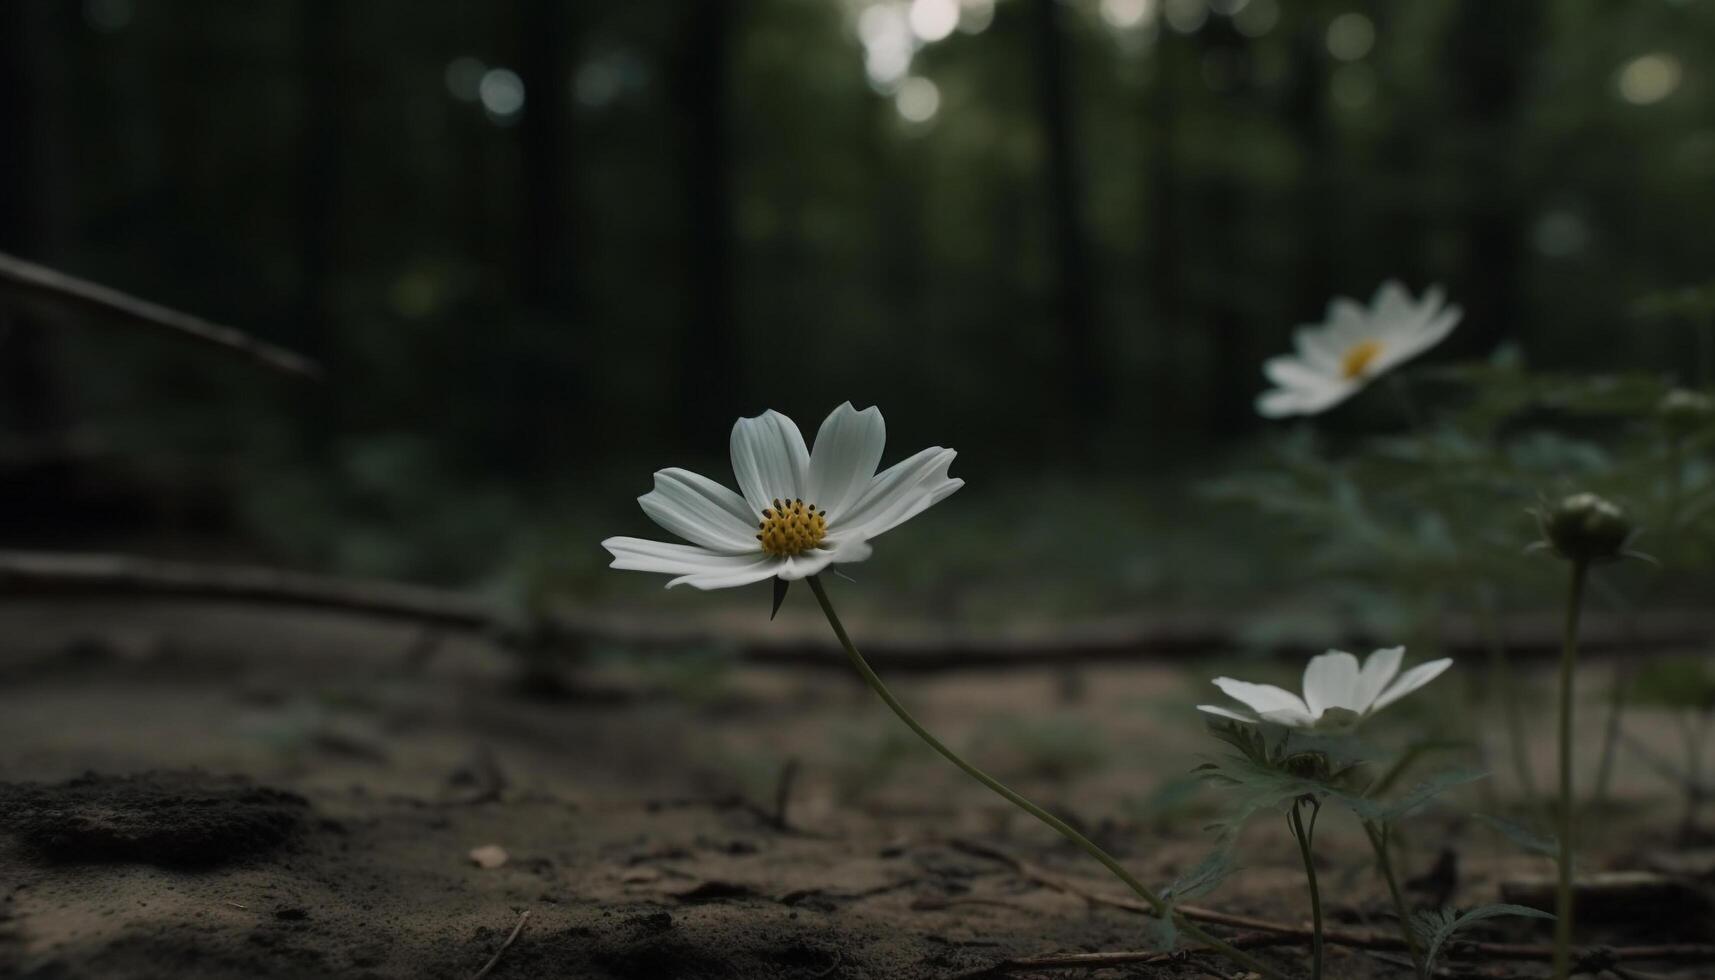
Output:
x=1358 y=358
x=791 y=528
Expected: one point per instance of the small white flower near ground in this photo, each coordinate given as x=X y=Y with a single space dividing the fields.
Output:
x=1337 y=692
x=798 y=511
x=1354 y=345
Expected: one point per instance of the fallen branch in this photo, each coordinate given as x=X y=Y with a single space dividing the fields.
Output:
x=523 y=917
x=1099 y=961
x=28 y=284
x=1589 y=960
x=46 y=575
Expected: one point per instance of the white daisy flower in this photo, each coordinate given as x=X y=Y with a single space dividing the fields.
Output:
x=1354 y=346
x=1337 y=693
x=800 y=511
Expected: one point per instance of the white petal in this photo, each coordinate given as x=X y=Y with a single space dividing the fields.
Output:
x=1317 y=350
x=899 y=493
x=1380 y=668
x=1348 y=323
x=807 y=564
x=769 y=459
x=843 y=461
x=701 y=511
x=851 y=548
x=1290 y=717
x=1278 y=403
x=1331 y=681
x=642 y=555
x=1215 y=709
x=1392 y=304
x=1262 y=698
x=739 y=570
x=1290 y=372
x=1307 y=400
x=1411 y=680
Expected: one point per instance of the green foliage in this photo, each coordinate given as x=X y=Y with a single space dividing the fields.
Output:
x=1528 y=840
x=1275 y=766
x=1434 y=929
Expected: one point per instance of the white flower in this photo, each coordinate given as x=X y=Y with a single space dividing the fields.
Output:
x=800 y=511
x=1352 y=347
x=1337 y=693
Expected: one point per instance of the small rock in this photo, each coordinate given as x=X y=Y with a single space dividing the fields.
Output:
x=488 y=856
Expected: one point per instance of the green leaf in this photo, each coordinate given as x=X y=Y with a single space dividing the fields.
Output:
x=1435 y=928
x=1160 y=933
x=1384 y=811
x=1523 y=836
x=1204 y=877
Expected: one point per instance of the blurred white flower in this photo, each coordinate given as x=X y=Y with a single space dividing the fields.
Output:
x=1337 y=693
x=1335 y=359
x=800 y=511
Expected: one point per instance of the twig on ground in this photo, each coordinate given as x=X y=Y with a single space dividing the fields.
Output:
x=523 y=917
x=29 y=284
x=28 y=574
x=1100 y=961
x=1586 y=960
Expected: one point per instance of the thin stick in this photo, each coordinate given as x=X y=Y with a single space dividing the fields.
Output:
x=41 y=286
x=36 y=574
x=1456 y=949
x=1099 y=961
x=523 y=917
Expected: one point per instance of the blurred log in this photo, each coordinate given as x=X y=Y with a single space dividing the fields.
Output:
x=1153 y=636
x=37 y=287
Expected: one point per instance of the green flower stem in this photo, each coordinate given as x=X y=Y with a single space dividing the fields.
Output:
x=1378 y=840
x=1306 y=835
x=1568 y=665
x=1065 y=830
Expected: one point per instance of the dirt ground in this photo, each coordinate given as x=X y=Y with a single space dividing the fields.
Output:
x=199 y=791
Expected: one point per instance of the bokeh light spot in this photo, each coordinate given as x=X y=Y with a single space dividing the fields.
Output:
x=1351 y=36
x=1649 y=78
x=502 y=93
x=933 y=20
x=917 y=100
x=1186 y=16
x=1126 y=14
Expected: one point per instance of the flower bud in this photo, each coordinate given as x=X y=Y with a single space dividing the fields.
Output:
x=1684 y=411
x=1585 y=528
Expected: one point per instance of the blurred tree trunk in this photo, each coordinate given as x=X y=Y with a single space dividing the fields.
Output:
x=321 y=66
x=31 y=66
x=1166 y=272
x=1318 y=190
x=1083 y=378
x=709 y=385
x=1230 y=377
x=547 y=257
x=1488 y=52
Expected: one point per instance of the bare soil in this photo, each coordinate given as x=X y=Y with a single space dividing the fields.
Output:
x=200 y=791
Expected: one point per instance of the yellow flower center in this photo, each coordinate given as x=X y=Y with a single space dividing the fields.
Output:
x=1358 y=358
x=791 y=528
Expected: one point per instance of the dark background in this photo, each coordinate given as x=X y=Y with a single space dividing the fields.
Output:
x=702 y=209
